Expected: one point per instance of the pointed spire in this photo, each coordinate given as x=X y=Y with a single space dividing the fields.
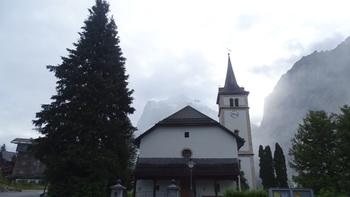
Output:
x=230 y=82
x=231 y=86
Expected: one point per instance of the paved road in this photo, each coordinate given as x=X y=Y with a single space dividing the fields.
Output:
x=32 y=193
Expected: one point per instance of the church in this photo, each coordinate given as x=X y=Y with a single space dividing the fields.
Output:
x=204 y=156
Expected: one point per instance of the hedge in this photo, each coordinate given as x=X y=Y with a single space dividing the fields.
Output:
x=234 y=193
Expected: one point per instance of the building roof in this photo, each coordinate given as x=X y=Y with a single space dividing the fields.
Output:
x=188 y=116
x=177 y=167
x=22 y=141
x=231 y=85
x=26 y=165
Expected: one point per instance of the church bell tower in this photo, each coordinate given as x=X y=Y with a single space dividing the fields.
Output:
x=234 y=115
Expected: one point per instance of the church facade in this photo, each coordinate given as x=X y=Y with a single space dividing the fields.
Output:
x=203 y=156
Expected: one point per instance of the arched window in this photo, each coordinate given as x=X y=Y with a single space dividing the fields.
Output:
x=236 y=102
x=231 y=102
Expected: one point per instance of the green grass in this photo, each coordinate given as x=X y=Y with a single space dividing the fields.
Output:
x=12 y=186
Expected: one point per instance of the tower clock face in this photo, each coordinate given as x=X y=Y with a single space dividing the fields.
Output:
x=234 y=114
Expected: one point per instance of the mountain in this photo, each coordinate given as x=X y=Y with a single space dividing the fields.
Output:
x=319 y=81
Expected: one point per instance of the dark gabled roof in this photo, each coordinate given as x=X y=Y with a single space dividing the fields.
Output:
x=22 y=141
x=188 y=116
x=231 y=85
x=177 y=167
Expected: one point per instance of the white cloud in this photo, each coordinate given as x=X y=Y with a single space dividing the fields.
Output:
x=172 y=47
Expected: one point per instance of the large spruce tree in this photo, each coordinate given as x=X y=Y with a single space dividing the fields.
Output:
x=86 y=140
x=280 y=167
x=313 y=152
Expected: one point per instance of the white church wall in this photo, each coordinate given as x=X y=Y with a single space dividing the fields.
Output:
x=204 y=142
x=206 y=187
x=248 y=169
x=239 y=123
x=163 y=185
x=144 y=188
x=203 y=187
x=226 y=184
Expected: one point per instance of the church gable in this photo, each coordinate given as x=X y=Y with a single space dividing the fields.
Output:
x=188 y=116
x=202 y=141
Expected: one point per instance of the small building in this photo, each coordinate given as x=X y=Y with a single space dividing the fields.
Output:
x=27 y=168
x=204 y=156
x=7 y=160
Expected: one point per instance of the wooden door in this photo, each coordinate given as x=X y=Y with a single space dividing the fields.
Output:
x=185 y=188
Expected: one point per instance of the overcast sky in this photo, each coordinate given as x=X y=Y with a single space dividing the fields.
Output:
x=172 y=48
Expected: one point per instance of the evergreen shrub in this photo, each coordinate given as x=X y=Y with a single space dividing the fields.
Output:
x=235 y=193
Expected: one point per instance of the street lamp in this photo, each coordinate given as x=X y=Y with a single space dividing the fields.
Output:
x=190 y=165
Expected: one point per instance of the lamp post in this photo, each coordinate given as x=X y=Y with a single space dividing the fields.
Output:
x=190 y=165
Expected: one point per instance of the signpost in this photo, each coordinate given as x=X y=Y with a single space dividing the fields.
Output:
x=293 y=192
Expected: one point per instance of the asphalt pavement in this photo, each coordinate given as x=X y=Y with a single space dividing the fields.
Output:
x=25 y=193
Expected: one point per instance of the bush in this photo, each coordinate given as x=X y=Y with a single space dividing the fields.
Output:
x=234 y=193
x=330 y=193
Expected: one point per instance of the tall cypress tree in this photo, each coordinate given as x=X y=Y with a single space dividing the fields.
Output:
x=280 y=167
x=261 y=165
x=86 y=140
x=269 y=172
x=266 y=167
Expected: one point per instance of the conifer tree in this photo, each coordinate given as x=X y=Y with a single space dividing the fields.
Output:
x=261 y=164
x=313 y=152
x=266 y=167
x=269 y=172
x=87 y=136
x=280 y=167
x=343 y=149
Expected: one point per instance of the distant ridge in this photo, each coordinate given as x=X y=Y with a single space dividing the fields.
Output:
x=319 y=81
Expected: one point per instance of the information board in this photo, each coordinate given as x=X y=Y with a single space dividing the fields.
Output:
x=293 y=192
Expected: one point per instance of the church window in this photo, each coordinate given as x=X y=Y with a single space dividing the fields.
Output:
x=187 y=134
x=236 y=102
x=186 y=153
x=231 y=102
x=217 y=187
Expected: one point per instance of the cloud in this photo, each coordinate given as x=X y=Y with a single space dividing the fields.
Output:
x=245 y=21
x=171 y=48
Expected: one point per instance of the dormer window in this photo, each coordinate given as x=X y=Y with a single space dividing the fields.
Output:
x=231 y=102
x=236 y=102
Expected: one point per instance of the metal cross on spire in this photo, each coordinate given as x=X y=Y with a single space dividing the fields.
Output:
x=228 y=51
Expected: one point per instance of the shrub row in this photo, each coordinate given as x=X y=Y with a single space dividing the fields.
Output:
x=234 y=193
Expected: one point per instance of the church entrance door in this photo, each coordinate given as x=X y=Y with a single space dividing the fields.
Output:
x=185 y=188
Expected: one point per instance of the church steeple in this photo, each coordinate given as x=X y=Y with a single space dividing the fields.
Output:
x=233 y=114
x=231 y=87
x=230 y=82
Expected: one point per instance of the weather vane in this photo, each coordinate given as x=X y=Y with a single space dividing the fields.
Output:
x=228 y=51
